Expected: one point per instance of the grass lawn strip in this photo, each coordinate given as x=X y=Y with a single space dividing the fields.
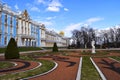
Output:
x=101 y=74
x=6 y=64
x=26 y=70
x=42 y=73
x=115 y=58
x=88 y=70
x=46 y=66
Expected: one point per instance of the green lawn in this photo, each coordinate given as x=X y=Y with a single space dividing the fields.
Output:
x=5 y=64
x=116 y=57
x=2 y=50
x=88 y=70
x=98 y=53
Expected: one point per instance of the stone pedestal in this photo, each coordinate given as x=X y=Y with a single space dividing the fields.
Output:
x=93 y=50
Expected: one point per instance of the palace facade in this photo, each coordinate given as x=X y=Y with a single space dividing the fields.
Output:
x=26 y=31
x=48 y=38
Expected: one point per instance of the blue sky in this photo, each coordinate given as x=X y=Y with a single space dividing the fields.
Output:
x=67 y=15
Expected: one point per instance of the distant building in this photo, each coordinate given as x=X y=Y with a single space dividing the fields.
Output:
x=48 y=38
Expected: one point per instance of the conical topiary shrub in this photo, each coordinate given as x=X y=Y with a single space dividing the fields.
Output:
x=12 y=51
x=55 y=48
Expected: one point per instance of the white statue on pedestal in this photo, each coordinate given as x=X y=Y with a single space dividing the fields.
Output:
x=93 y=46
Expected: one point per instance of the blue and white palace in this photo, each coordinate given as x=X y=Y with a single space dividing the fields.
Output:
x=19 y=26
x=25 y=31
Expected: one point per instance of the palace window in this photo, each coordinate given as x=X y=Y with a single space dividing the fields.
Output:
x=11 y=20
x=6 y=24
x=8 y=20
x=5 y=41
x=17 y=26
x=28 y=28
x=22 y=29
x=6 y=29
x=11 y=29
x=5 y=20
x=22 y=26
x=25 y=30
x=28 y=31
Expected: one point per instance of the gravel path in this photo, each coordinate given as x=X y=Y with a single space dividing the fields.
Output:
x=66 y=70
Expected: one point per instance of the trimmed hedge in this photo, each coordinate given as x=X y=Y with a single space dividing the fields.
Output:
x=55 y=48
x=12 y=51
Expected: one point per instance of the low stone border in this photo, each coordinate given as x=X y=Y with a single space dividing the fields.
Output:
x=14 y=63
x=40 y=64
x=56 y=65
x=79 y=70
x=99 y=71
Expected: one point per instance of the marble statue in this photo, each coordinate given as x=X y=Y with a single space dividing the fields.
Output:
x=93 y=46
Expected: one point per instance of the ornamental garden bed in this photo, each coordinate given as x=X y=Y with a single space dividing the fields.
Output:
x=46 y=66
x=88 y=70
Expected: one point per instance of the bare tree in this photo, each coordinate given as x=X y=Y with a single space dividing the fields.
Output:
x=84 y=36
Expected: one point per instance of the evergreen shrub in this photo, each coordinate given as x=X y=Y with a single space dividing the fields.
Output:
x=55 y=48
x=12 y=51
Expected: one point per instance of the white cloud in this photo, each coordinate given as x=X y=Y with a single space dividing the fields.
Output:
x=50 y=18
x=53 y=9
x=54 y=6
x=55 y=3
x=95 y=19
x=47 y=23
x=16 y=7
x=41 y=1
x=65 y=9
x=51 y=5
x=85 y=23
x=35 y=9
x=72 y=27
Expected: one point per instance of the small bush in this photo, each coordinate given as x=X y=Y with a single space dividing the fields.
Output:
x=12 y=51
x=55 y=48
